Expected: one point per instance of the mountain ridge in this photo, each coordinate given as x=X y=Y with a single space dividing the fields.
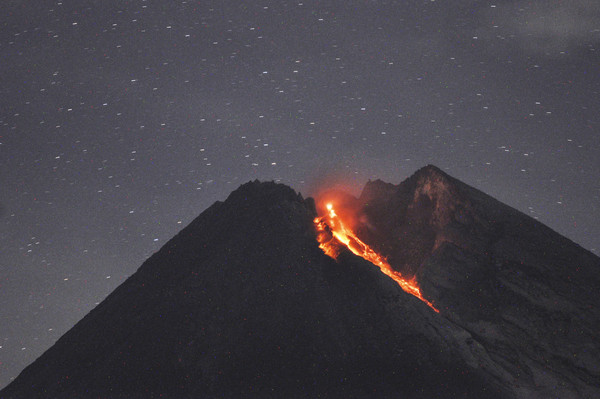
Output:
x=485 y=262
x=243 y=302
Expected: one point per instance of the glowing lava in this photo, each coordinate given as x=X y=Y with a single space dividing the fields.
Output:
x=332 y=232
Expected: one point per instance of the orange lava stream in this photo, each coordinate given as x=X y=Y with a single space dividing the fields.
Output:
x=334 y=228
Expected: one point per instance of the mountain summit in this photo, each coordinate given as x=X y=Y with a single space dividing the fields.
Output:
x=243 y=302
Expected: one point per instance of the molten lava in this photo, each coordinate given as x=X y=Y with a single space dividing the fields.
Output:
x=332 y=232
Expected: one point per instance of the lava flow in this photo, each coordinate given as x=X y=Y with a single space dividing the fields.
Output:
x=332 y=232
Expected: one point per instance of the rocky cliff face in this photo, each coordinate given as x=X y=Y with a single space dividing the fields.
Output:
x=243 y=302
x=524 y=293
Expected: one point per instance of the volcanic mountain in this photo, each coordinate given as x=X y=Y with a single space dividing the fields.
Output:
x=426 y=289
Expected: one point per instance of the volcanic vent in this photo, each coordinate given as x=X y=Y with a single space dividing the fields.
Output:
x=333 y=234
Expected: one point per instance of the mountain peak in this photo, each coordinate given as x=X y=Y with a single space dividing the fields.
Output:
x=430 y=170
x=244 y=303
x=266 y=191
x=432 y=181
x=429 y=180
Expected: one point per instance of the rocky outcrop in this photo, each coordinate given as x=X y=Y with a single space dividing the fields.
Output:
x=524 y=293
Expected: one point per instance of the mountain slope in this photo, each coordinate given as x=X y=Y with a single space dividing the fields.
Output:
x=243 y=302
x=525 y=293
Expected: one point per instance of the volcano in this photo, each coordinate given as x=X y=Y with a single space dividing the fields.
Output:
x=268 y=294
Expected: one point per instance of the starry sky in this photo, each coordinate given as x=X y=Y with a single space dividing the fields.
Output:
x=120 y=121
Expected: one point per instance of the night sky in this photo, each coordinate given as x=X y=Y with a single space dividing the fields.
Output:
x=121 y=121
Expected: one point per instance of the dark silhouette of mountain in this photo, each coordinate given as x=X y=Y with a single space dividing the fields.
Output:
x=243 y=303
